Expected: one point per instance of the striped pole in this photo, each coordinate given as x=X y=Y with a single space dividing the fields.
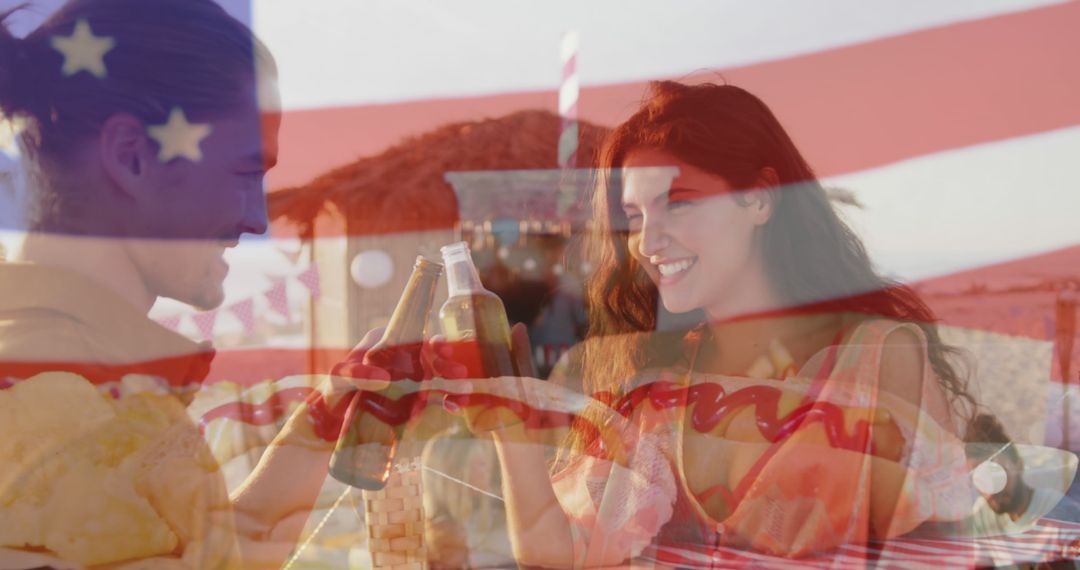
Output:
x=569 y=90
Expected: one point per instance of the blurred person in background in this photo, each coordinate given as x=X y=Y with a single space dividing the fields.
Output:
x=1008 y=504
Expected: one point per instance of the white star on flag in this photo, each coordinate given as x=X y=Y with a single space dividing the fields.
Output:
x=178 y=137
x=83 y=51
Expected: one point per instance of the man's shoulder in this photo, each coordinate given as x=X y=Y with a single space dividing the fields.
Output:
x=34 y=335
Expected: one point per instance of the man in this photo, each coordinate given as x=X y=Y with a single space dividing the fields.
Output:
x=149 y=126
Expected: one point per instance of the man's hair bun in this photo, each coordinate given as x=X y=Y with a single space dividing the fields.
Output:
x=21 y=77
x=13 y=63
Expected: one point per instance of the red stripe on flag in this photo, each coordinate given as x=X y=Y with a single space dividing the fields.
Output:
x=245 y=367
x=849 y=109
x=1016 y=297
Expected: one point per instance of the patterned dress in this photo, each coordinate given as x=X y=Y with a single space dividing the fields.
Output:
x=802 y=483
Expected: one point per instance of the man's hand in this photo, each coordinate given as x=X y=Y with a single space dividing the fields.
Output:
x=353 y=374
x=437 y=357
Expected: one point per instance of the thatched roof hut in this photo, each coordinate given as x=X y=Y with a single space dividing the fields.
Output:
x=404 y=189
x=400 y=204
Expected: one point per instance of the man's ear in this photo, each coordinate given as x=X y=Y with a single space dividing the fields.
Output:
x=765 y=195
x=126 y=152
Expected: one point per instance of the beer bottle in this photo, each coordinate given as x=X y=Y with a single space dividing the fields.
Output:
x=373 y=425
x=474 y=319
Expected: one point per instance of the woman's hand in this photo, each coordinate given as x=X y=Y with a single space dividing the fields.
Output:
x=496 y=403
x=447 y=543
x=353 y=373
x=521 y=351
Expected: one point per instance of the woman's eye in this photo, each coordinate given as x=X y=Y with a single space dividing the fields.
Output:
x=676 y=204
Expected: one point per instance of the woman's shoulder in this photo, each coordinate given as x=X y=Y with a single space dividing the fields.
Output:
x=874 y=344
x=875 y=332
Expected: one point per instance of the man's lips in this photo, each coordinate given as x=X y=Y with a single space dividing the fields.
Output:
x=221 y=265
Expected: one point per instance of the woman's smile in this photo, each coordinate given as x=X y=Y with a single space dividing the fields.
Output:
x=673 y=271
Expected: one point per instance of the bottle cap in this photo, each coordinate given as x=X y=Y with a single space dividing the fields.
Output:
x=456 y=252
x=426 y=264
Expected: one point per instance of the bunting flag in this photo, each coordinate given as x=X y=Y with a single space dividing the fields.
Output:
x=172 y=322
x=279 y=299
x=290 y=253
x=310 y=279
x=205 y=323
x=244 y=311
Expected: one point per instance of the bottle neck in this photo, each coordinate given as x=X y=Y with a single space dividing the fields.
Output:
x=410 y=317
x=463 y=278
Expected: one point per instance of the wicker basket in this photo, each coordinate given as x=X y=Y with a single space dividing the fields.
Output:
x=395 y=520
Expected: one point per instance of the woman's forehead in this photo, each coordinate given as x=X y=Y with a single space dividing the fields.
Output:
x=642 y=184
x=649 y=174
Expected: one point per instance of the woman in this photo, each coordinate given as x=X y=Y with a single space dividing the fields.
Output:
x=717 y=221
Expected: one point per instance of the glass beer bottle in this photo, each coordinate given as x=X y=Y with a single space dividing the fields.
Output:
x=372 y=429
x=474 y=319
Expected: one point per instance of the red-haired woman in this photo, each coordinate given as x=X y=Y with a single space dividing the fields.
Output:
x=768 y=389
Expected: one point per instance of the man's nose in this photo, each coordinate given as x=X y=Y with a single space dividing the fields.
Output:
x=255 y=219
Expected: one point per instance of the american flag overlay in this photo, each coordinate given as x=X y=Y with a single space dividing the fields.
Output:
x=475 y=284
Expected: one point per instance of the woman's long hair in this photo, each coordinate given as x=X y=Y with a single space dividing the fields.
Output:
x=813 y=260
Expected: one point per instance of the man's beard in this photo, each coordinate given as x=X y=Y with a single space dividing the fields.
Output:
x=1018 y=503
x=208 y=297
x=1012 y=503
x=185 y=276
x=205 y=293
